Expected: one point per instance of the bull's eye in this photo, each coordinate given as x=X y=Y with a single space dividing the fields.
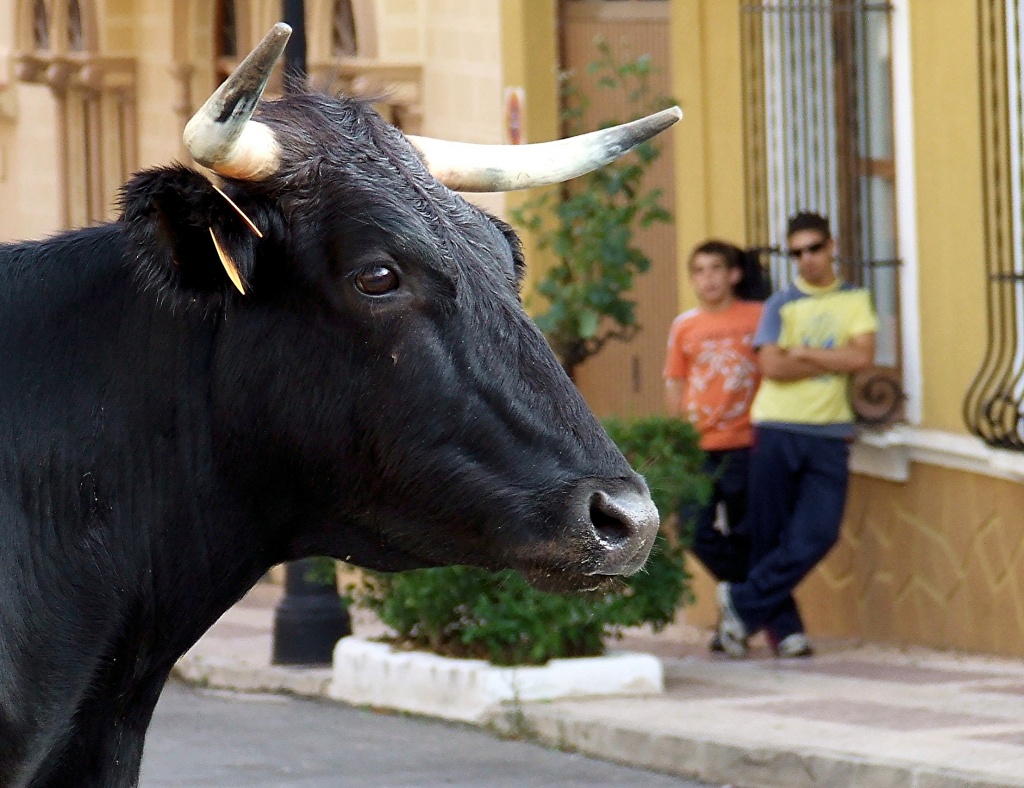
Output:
x=376 y=280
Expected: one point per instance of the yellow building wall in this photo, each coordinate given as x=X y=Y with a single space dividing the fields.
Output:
x=33 y=187
x=401 y=27
x=709 y=142
x=947 y=143
x=938 y=561
x=159 y=129
x=28 y=167
x=116 y=30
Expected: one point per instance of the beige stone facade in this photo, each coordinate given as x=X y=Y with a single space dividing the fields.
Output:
x=88 y=97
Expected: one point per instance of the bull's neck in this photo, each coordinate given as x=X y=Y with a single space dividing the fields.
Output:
x=105 y=433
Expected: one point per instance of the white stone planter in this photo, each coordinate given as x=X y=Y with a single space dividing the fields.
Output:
x=473 y=690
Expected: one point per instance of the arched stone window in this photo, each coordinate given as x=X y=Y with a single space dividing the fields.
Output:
x=343 y=30
x=93 y=109
x=76 y=33
x=40 y=25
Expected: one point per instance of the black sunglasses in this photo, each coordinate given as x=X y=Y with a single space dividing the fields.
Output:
x=798 y=252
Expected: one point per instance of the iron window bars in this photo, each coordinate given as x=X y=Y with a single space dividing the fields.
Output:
x=993 y=405
x=817 y=109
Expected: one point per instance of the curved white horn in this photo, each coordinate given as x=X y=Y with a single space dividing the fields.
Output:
x=469 y=167
x=221 y=136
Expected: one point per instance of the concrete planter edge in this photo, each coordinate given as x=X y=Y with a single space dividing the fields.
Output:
x=471 y=690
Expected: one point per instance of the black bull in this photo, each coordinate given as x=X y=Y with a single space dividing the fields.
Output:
x=378 y=395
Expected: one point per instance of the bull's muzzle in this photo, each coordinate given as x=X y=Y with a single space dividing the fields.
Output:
x=621 y=519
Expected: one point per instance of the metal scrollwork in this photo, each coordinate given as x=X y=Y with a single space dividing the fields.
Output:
x=1004 y=421
x=992 y=406
x=877 y=399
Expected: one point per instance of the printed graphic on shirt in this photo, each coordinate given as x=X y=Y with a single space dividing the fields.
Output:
x=712 y=354
x=726 y=363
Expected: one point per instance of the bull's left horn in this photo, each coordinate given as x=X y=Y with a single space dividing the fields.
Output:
x=221 y=135
x=470 y=167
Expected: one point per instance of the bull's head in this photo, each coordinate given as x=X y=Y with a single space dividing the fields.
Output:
x=379 y=392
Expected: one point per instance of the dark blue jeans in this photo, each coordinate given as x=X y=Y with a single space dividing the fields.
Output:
x=724 y=555
x=795 y=507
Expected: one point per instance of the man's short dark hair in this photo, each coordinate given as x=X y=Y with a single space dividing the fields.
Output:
x=755 y=284
x=731 y=254
x=808 y=220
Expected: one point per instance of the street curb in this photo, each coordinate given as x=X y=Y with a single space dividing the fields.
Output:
x=735 y=763
x=228 y=674
x=741 y=759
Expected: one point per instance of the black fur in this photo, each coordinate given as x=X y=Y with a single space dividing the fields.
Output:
x=165 y=440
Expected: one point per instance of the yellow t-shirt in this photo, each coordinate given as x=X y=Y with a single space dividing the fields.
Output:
x=819 y=317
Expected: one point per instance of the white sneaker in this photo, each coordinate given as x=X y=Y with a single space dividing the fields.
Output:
x=795 y=645
x=732 y=632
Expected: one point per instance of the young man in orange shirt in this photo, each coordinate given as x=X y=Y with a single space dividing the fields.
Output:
x=711 y=375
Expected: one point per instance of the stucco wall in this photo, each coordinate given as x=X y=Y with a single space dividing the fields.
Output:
x=28 y=168
x=709 y=139
x=462 y=76
x=935 y=561
x=32 y=191
x=947 y=149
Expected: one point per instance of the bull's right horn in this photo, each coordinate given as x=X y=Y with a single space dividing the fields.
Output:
x=221 y=135
x=470 y=167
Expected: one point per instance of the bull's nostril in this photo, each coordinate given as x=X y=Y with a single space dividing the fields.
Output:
x=623 y=523
x=610 y=522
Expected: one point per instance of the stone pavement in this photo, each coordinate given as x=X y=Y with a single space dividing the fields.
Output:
x=853 y=715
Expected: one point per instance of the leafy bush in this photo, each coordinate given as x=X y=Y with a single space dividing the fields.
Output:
x=468 y=612
x=665 y=451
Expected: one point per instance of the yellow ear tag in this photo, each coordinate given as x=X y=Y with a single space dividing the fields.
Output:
x=228 y=263
x=249 y=222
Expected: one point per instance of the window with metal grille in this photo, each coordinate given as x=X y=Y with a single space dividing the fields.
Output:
x=993 y=405
x=818 y=116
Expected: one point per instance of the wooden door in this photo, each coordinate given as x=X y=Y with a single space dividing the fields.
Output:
x=624 y=379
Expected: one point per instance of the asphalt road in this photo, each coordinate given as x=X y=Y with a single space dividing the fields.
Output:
x=206 y=738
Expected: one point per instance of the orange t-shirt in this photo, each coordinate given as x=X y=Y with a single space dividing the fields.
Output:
x=713 y=354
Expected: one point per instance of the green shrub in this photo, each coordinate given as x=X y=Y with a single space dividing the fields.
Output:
x=665 y=451
x=468 y=612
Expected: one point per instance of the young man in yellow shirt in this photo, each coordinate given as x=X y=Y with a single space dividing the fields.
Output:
x=813 y=336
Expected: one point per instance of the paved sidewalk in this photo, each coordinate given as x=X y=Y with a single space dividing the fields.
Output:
x=853 y=715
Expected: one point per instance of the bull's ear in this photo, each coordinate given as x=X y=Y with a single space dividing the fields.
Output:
x=187 y=238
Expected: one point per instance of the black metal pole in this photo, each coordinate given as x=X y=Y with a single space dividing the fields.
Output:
x=310 y=618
